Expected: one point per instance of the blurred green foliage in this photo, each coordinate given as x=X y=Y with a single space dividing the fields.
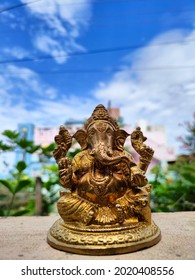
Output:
x=17 y=182
x=174 y=189
x=17 y=191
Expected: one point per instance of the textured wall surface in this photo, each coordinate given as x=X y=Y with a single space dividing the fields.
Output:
x=24 y=238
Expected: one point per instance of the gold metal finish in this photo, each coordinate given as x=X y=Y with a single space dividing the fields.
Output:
x=105 y=208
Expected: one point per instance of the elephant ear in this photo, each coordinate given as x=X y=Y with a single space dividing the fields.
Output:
x=120 y=137
x=81 y=137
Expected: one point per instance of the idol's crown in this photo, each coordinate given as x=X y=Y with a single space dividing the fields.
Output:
x=101 y=113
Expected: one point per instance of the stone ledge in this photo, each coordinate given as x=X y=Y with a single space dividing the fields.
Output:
x=24 y=238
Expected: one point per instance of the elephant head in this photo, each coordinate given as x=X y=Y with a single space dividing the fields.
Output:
x=101 y=136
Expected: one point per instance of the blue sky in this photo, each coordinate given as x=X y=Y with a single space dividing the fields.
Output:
x=144 y=61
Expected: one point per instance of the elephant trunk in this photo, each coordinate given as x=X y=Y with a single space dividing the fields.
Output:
x=101 y=153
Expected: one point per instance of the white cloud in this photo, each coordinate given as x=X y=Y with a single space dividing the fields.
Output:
x=61 y=23
x=19 y=89
x=51 y=46
x=159 y=96
x=72 y=107
x=16 y=52
x=26 y=98
x=23 y=81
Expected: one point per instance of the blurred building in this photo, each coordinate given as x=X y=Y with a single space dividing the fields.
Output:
x=44 y=136
x=114 y=112
x=156 y=139
x=26 y=131
x=73 y=125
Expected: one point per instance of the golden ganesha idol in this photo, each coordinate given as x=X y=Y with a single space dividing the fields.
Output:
x=105 y=208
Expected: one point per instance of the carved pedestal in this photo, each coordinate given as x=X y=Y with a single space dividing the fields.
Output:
x=107 y=240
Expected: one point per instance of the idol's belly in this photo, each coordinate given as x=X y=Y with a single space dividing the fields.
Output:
x=104 y=191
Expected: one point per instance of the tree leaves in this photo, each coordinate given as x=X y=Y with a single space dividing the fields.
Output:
x=15 y=186
x=48 y=151
x=24 y=143
x=22 y=184
x=11 y=134
x=189 y=177
x=33 y=148
x=188 y=140
x=4 y=147
x=174 y=190
x=21 y=212
x=21 y=166
x=2 y=212
x=7 y=184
